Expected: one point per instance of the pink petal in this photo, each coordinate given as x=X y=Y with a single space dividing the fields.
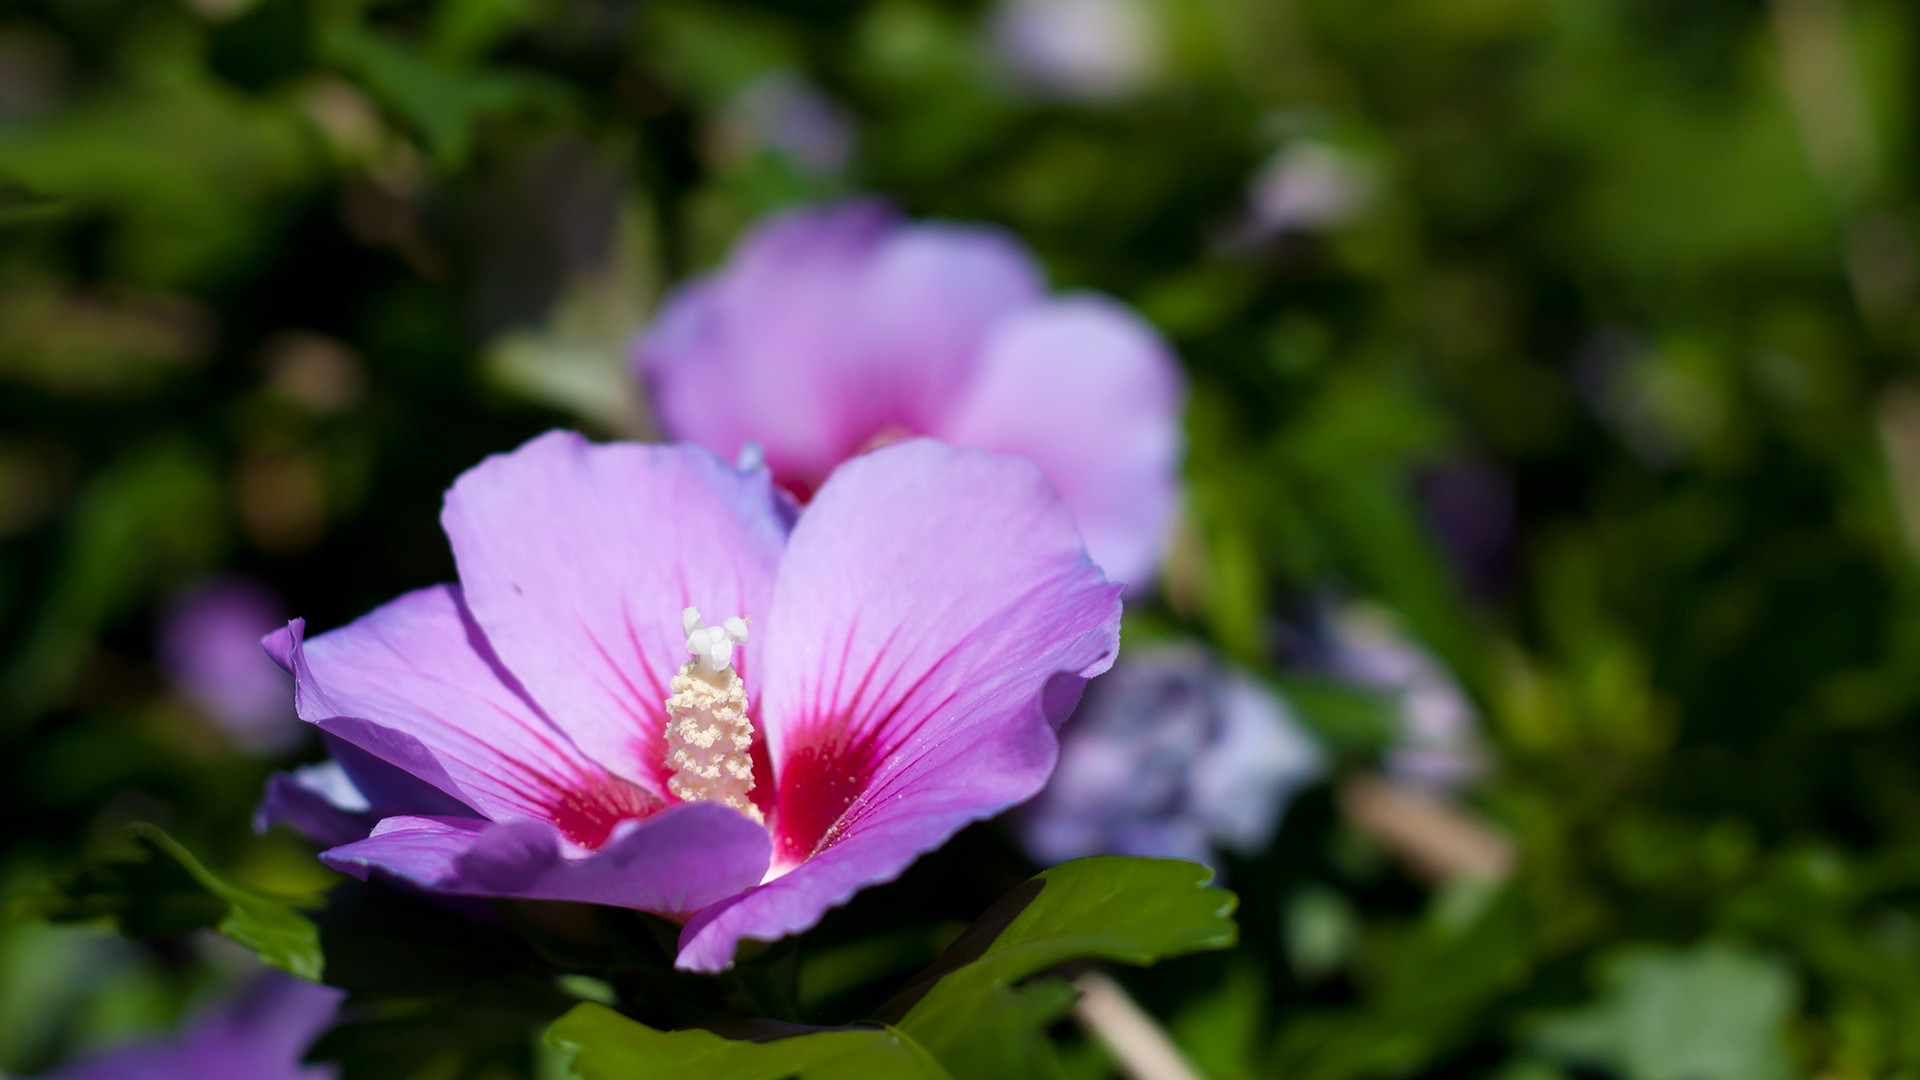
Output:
x=1092 y=394
x=673 y=863
x=828 y=328
x=578 y=559
x=411 y=684
x=934 y=618
x=933 y=295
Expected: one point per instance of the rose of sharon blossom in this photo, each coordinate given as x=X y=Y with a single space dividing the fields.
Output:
x=260 y=1034
x=1172 y=754
x=835 y=330
x=654 y=688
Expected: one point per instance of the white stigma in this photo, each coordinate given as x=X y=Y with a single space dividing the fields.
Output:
x=709 y=738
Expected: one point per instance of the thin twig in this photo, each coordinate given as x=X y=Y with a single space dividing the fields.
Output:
x=1441 y=840
x=1135 y=1039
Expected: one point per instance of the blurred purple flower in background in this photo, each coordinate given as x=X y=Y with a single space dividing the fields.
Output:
x=1077 y=50
x=1437 y=742
x=260 y=1033
x=785 y=115
x=835 y=330
x=1174 y=754
x=208 y=647
x=539 y=731
x=1308 y=186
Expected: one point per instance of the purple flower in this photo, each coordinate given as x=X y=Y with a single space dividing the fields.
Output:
x=832 y=331
x=564 y=724
x=1171 y=754
x=1438 y=741
x=209 y=648
x=1308 y=186
x=1078 y=50
x=784 y=115
x=259 y=1034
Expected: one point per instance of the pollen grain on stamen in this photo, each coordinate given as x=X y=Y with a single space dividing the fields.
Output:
x=709 y=737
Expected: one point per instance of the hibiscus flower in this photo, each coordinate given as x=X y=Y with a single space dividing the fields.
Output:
x=835 y=330
x=564 y=724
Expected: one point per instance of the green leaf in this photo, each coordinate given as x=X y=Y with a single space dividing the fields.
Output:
x=147 y=896
x=609 y=1046
x=1223 y=1031
x=1711 y=1013
x=1002 y=1032
x=441 y=101
x=966 y=1011
x=271 y=927
x=1133 y=910
x=20 y=203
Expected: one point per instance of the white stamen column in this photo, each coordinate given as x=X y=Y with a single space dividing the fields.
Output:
x=709 y=738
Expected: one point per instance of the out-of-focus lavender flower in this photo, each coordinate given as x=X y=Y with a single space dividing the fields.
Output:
x=835 y=330
x=1307 y=186
x=209 y=649
x=259 y=1034
x=1438 y=740
x=1077 y=50
x=1172 y=754
x=564 y=725
x=785 y=115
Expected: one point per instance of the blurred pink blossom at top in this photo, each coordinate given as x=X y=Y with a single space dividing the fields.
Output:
x=832 y=331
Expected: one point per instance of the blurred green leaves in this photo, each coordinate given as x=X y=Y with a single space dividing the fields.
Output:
x=1714 y=1012
x=433 y=94
x=159 y=887
x=156 y=518
x=190 y=173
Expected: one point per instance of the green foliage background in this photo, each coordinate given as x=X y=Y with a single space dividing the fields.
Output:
x=1651 y=263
